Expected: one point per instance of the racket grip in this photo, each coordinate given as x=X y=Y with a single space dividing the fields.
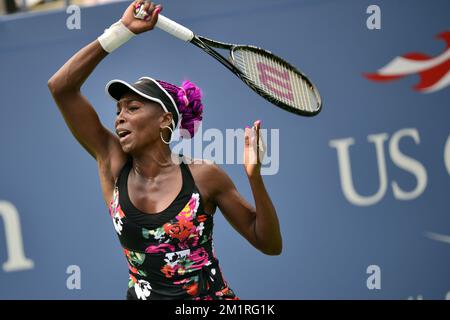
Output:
x=175 y=29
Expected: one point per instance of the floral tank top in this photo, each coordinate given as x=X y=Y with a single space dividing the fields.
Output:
x=170 y=254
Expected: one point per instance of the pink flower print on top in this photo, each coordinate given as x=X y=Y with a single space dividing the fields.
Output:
x=192 y=241
x=163 y=247
x=189 y=211
x=199 y=258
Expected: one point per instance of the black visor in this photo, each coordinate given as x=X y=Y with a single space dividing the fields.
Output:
x=148 y=88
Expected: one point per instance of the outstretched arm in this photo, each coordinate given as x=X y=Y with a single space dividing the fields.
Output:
x=77 y=111
x=258 y=225
x=66 y=83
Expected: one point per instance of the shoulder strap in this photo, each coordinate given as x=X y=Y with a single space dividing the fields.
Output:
x=187 y=172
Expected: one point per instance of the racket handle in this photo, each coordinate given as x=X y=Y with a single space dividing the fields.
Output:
x=175 y=29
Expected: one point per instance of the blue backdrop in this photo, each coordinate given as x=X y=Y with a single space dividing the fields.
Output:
x=361 y=190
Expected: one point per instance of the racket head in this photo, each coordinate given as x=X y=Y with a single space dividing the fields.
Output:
x=276 y=80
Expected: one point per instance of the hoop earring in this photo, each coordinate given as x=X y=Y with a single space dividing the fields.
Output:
x=171 y=133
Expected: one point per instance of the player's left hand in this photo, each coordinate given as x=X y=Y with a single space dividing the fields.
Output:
x=254 y=149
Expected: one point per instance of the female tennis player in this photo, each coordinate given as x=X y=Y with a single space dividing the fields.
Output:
x=162 y=210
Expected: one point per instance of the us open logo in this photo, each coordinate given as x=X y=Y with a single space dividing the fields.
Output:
x=434 y=72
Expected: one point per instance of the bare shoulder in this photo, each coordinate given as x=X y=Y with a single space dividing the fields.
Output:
x=208 y=175
x=204 y=168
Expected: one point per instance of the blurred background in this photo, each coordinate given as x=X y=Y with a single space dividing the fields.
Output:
x=16 y=6
x=361 y=190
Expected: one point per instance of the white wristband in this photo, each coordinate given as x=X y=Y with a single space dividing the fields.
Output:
x=115 y=36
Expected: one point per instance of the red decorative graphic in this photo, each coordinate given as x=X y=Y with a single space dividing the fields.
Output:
x=434 y=72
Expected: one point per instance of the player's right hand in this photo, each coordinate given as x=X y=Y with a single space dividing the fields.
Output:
x=136 y=25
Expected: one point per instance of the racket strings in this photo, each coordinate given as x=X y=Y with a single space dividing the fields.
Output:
x=277 y=80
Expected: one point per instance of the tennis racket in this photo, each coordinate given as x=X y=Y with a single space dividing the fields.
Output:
x=267 y=74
